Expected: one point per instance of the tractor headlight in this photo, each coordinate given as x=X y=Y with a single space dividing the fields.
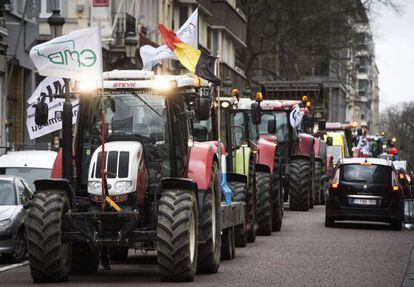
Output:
x=95 y=186
x=4 y=224
x=123 y=185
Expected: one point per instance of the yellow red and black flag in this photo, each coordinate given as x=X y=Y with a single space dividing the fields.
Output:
x=192 y=59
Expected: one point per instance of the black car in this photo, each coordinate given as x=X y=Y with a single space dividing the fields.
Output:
x=365 y=189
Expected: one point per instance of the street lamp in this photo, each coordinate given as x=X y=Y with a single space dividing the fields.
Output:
x=247 y=93
x=56 y=22
x=227 y=86
x=131 y=43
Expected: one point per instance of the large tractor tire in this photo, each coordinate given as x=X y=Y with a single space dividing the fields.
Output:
x=210 y=227
x=85 y=259
x=264 y=203
x=300 y=185
x=239 y=193
x=118 y=253
x=177 y=235
x=49 y=258
x=252 y=202
x=277 y=195
x=318 y=183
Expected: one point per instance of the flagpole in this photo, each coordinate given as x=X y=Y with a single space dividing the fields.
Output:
x=218 y=106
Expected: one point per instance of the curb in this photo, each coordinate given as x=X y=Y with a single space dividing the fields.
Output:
x=408 y=280
x=13 y=266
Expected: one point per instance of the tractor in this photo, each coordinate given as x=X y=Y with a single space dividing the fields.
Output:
x=139 y=181
x=303 y=156
x=248 y=117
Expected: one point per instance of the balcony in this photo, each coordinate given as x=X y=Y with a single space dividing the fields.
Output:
x=228 y=17
x=124 y=23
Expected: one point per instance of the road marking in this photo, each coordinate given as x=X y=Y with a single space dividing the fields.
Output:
x=13 y=266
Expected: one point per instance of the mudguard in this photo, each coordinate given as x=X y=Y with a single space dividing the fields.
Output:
x=57 y=166
x=316 y=148
x=241 y=160
x=305 y=145
x=231 y=176
x=266 y=154
x=175 y=182
x=55 y=184
x=202 y=156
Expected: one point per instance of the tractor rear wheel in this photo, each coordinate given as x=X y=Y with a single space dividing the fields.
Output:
x=251 y=202
x=49 y=257
x=264 y=203
x=177 y=235
x=317 y=191
x=277 y=194
x=210 y=227
x=239 y=194
x=85 y=259
x=300 y=185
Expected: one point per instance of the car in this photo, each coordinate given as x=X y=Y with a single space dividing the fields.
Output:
x=28 y=164
x=14 y=194
x=365 y=189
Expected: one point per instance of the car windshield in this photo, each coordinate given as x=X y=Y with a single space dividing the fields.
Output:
x=30 y=174
x=335 y=151
x=7 y=193
x=282 y=127
x=378 y=174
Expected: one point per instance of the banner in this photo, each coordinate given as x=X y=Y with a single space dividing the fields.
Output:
x=76 y=55
x=49 y=86
x=101 y=17
x=188 y=33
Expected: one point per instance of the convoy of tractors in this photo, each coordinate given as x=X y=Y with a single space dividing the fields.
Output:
x=164 y=164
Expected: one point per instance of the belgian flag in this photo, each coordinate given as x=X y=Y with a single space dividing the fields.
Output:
x=194 y=60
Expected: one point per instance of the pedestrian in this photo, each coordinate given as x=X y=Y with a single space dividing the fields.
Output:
x=363 y=145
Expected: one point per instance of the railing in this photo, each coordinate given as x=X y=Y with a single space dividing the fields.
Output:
x=124 y=23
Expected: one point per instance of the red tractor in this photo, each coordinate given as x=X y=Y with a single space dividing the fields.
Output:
x=139 y=181
x=302 y=156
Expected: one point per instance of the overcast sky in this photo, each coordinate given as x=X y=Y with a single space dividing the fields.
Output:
x=394 y=40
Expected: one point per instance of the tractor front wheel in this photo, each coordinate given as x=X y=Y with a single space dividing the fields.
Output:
x=318 y=182
x=264 y=203
x=177 y=235
x=49 y=257
x=239 y=194
x=300 y=185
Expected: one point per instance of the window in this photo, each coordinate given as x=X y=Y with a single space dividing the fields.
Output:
x=366 y=174
x=21 y=189
x=7 y=194
x=46 y=7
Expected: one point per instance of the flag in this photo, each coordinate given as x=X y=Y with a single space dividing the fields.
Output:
x=193 y=59
x=49 y=86
x=76 y=55
x=188 y=33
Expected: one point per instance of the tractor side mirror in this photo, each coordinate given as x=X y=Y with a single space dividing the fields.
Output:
x=256 y=114
x=322 y=125
x=329 y=141
x=202 y=112
x=271 y=127
x=41 y=113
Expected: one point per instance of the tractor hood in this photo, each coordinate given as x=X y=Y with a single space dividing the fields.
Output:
x=122 y=162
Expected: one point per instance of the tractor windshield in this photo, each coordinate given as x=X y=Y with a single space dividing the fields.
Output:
x=131 y=114
x=282 y=125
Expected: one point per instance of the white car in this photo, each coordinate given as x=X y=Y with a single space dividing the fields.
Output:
x=30 y=165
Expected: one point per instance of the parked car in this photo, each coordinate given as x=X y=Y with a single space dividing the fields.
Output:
x=365 y=189
x=14 y=193
x=30 y=165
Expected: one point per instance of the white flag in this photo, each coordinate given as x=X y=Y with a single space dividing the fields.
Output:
x=296 y=117
x=76 y=55
x=49 y=86
x=188 y=33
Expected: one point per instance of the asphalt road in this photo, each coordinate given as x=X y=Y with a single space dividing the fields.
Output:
x=304 y=253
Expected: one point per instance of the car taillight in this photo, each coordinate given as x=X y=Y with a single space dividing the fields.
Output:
x=395 y=188
x=334 y=185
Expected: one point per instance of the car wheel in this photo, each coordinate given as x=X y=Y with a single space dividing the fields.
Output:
x=329 y=221
x=20 y=251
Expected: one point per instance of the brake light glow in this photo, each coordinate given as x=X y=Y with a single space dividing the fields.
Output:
x=395 y=188
x=334 y=185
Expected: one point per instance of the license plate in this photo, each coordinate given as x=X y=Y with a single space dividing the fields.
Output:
x=359 y=201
